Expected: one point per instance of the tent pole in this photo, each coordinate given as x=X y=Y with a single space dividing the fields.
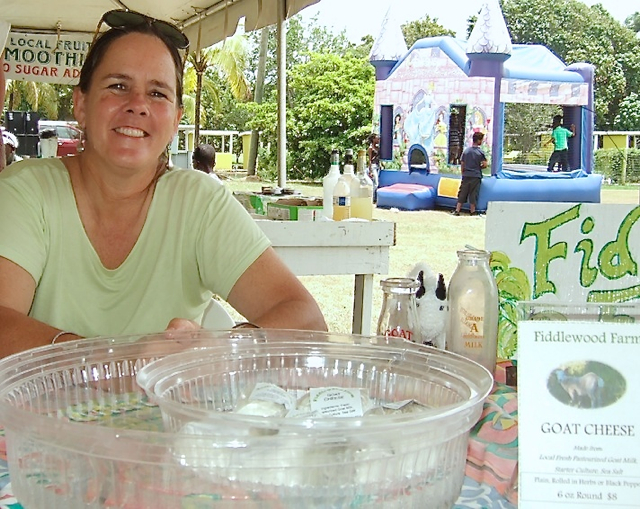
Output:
x=282 y=93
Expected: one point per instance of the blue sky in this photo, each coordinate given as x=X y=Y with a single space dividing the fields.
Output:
x=361 y=17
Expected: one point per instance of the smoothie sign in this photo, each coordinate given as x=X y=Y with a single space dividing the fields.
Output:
x=49 y=58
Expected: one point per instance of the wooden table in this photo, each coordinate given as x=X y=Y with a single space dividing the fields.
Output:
x=312 y=248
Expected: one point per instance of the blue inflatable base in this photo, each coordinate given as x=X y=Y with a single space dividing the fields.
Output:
x=571 y=187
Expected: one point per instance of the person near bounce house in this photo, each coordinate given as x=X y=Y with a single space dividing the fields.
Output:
x=559 y=137
x=472 y=162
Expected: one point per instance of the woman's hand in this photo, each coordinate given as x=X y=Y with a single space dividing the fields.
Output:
x=181 y=325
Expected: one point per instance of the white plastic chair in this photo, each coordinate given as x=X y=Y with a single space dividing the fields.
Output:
x=216 y=317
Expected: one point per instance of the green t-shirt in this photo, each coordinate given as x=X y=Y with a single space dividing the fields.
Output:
x=560 y=137
x=197 y=240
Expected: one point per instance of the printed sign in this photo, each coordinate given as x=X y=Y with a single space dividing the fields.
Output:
x=560 y=252
x=49 y=58
x=579 y=428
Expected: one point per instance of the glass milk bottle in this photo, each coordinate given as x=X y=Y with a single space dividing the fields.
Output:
x=473 y=309
x=399 y=316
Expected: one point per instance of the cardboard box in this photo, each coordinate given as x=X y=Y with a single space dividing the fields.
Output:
x=295 y=209
x=255 y=203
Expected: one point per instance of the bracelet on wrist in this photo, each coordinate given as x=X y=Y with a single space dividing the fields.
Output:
x=61 y=333
x=245 y=325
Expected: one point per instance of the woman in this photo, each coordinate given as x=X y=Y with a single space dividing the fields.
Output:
x=109 y=242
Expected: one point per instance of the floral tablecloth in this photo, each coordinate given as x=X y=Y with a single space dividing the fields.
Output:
x=492 y=458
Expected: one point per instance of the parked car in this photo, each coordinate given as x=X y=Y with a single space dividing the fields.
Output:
x=69 y=136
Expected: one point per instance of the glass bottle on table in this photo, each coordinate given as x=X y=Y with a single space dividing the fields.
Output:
x=362 y=191
x=342 y=190
x=349 y=169
x=473 y=309
x=329 y=183
x=399 y=315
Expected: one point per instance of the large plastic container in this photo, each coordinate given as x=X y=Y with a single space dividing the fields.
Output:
x=81 y=433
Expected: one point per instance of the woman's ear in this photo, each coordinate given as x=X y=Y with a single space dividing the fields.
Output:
x=176 y=122
x=79 y=107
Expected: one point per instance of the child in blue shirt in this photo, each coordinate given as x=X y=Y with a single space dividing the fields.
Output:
x=472 y=162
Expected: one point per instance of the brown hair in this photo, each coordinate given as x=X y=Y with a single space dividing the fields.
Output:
x=478 y=137
x=99 y=49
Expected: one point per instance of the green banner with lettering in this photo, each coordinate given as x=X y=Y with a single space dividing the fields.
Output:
x=561 y=253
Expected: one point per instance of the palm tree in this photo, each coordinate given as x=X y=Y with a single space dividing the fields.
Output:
x=229 y=58
x=32 y=96
x=259 y=93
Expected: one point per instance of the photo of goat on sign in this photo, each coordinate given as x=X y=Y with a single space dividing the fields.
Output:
x=586 y=384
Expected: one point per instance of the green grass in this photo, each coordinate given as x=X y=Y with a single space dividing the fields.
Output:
x=430 y=236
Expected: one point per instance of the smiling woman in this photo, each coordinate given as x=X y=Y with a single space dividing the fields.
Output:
x=111 y=242
x=128 y=101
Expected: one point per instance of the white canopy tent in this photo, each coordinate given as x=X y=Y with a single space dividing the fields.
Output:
x=218 y=18
x=209 y=21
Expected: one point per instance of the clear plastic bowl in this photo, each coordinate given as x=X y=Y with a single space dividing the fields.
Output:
x=81 y=433
x=410 y=459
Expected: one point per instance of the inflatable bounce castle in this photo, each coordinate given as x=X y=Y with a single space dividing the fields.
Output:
x=434 y=96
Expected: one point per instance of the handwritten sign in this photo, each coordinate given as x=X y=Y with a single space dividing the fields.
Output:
x=561 y=252
x=579 y=428
x=48 y=58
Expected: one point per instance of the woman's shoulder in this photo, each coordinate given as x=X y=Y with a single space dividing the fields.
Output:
x=186 y=175
x=189 y=181
x=35 y=170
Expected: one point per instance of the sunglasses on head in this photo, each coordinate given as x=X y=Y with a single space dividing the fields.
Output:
x=121 y=19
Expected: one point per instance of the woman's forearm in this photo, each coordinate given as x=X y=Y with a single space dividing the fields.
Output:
x=298 y=314
x=20 y=332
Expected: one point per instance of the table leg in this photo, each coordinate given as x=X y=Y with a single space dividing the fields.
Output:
x=362 y=302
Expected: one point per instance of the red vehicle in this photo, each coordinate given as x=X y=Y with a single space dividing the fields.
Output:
x=69 y=136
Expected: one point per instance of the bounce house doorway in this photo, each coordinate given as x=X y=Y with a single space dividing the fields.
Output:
x=457 y=116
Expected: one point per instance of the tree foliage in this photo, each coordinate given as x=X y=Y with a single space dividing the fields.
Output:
x=330 y=88
x=633 y=22
x=64 y=94
x=363 y=49
x=628 y=118
x=227 y=59
x=227 y=113
x=421 y=28
x=578 y=33
x=303 y=39
x=31 y=96
x=523 y=122
x=330 y=106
